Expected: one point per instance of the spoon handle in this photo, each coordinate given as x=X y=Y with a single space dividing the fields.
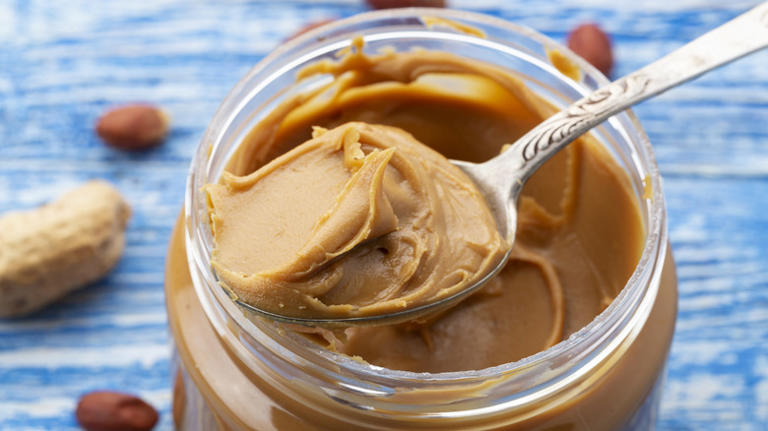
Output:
x=736 y=38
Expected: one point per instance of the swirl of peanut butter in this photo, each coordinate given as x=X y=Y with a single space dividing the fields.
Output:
x=579 y=232
x=360 y=220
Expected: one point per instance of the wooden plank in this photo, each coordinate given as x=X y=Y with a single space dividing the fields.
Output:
x=62 y=63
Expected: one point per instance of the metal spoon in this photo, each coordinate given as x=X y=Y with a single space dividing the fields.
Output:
x=501 y=178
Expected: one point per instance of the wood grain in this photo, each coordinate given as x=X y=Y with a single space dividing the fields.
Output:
x=63 y=63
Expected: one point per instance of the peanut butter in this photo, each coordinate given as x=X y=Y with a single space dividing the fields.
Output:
x=579 y=237
x=579 y=230
x=360 y=220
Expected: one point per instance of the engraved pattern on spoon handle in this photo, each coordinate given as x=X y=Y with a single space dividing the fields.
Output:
x=583 y=115
x=741 y=36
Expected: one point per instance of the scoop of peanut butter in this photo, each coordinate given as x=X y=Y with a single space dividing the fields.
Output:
x=360 y=220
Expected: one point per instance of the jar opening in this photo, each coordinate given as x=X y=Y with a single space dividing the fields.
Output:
x=524 y=381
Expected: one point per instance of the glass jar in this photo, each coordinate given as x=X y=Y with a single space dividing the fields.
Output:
x=241 y=373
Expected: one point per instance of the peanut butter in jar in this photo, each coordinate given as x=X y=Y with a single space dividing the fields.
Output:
x=581 y=317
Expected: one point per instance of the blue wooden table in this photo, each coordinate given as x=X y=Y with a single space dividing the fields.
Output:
x=63 y=63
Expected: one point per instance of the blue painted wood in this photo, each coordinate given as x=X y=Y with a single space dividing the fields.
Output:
x=62 y=63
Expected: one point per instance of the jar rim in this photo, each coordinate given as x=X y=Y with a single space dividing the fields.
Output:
x=631 y=306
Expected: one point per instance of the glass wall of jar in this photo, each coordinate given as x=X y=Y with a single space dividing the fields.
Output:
x=237 y=372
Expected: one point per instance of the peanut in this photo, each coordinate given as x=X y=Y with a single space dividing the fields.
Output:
x=133 y=127
x=59 y=247
x=115 y=411
x=390 y=4
x=592 y=43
